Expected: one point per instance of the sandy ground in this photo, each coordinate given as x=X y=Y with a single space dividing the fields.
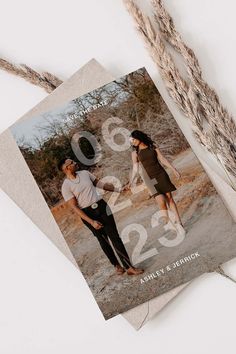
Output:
x=210 y=231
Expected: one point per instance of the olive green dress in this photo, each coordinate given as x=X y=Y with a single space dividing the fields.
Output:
x=153 y=174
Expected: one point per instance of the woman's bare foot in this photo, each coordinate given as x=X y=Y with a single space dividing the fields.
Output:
x=119 y=270
x=134 y=271
x=163 y=217
x=163 y=220
x=179 y=222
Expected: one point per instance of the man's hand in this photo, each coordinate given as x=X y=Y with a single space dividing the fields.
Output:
x=96 y=224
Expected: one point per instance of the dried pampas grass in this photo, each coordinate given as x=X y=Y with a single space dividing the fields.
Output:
x=45 y=80
x=213 y=126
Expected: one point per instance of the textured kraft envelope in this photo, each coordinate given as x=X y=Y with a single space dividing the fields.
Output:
x=89 y=77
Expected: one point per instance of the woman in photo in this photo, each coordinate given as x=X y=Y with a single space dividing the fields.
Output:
x=147 y=156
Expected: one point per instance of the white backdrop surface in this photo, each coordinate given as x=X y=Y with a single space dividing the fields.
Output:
x=45 y=305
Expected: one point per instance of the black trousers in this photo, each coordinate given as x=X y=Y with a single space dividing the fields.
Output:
x=108 y=232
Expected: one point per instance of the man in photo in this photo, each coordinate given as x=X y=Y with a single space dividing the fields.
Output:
x=79 y=191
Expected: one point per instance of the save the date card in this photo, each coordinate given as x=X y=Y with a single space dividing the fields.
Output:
x=135 y=206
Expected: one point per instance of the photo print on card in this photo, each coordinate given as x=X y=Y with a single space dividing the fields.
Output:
x=135 y=206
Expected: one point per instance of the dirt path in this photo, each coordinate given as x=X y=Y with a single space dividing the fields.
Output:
x=209 y=230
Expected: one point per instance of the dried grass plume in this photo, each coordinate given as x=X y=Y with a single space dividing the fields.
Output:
x=212 y=124
x=45 y=80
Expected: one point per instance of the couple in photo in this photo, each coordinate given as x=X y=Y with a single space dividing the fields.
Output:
x=79 y=190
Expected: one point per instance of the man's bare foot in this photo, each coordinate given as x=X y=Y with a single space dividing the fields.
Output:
x=119 y=270
x=134 y=271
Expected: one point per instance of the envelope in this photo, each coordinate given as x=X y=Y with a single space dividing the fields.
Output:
x=16 y=179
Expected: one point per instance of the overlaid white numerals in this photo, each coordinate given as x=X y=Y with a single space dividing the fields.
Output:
x=78 y=152
x=174 y=233
x=109 y=135
x=115 y=207
x=170 y=226
x=137 y=256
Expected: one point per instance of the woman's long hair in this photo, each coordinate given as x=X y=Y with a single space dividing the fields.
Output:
x=144 y=138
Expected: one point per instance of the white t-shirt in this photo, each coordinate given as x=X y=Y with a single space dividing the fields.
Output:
x=82 y=188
